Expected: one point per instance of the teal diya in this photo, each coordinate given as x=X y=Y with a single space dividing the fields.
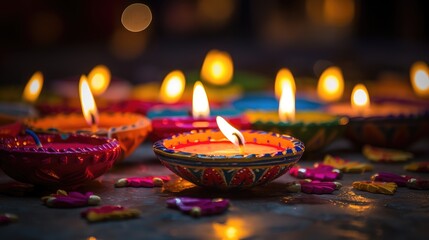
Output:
x=316 y=129
x=229 y=159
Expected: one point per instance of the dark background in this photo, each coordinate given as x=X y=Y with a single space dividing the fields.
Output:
x=68 y=38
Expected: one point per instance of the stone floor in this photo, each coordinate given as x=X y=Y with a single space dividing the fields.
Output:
x=267 y=212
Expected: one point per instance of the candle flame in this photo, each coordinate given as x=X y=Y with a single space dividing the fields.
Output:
x=33 y=88
x=172 y=87
x=89 y=109
x=331 y=85
x=200 y=102
x=420 y=78
x=231 y=133
x=217 y=68
x=284 y=75
x=99 y=79
x=360 y=98
x=287 y=103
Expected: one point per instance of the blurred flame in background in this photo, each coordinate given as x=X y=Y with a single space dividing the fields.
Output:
x=336 y=13
x=331 y=85
x=419 y=75
x=136 y=17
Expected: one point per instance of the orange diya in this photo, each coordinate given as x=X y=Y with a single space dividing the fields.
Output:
x=229 y=159
x=130 y=129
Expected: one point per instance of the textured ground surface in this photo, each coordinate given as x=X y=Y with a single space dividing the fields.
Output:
x=263 y=212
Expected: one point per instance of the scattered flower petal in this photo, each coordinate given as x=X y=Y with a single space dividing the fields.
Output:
x=321 y=173
x=415 y=183
x=313 y=187
x=148 y=182
x=400 y=180
x=177 y=185
x=376 y=187
x=108 y=212
x=62 y=199
x=345 y=165
x=418 y=167
x=197 y=207
x=385 y=155
x=7 y=218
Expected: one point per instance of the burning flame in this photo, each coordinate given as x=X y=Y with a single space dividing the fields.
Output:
x=360 y=98
x=200 y=102
x=284 y=75
x=99 y=79
x=287 y=103
x=420 y=78
x=217 y=68
x=172 y=87
x=33 y=88
x=89 y=109
x=230 y=132
x=331 y=85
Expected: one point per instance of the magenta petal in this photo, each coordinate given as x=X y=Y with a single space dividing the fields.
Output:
x=391 y=177
x=418 y=184
x=318 y=187
x=66 y=202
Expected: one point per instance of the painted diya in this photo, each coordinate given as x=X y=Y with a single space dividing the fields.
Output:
x=57 y=160
x=128 y=128
x=315 y=129
x=208 y=159
x=392 y=123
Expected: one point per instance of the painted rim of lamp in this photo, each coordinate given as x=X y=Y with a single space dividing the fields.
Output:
x=423 y=114
x=142 y=123
x=13 y=144
x=290 y=154
x=337 y=120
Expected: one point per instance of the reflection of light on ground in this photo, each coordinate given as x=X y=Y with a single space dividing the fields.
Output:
x=353 y=202
x=233 y=228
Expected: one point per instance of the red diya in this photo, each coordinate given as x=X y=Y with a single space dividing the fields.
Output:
x=164 y=127
x=61 y=161
x=229 y=159
x=386 y=122
x=128 y=128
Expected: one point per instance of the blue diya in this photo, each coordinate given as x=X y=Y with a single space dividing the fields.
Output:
x=206 y=158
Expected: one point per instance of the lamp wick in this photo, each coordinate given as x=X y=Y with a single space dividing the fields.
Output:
x=240 y=142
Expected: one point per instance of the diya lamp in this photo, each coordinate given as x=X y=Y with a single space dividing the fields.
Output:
x=25 y=108
x=128 y=128
x=53 y=160
x=268 y=101
x=316 y=129
x=229 y=159
x=164 y=127
x=392 y=123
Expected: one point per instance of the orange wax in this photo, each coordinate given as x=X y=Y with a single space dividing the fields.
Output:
x=224 y=148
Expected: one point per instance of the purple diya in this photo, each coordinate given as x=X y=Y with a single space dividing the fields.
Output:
x=63 y=160
x=128 y=128
x=392 y=123
x=206 y=158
